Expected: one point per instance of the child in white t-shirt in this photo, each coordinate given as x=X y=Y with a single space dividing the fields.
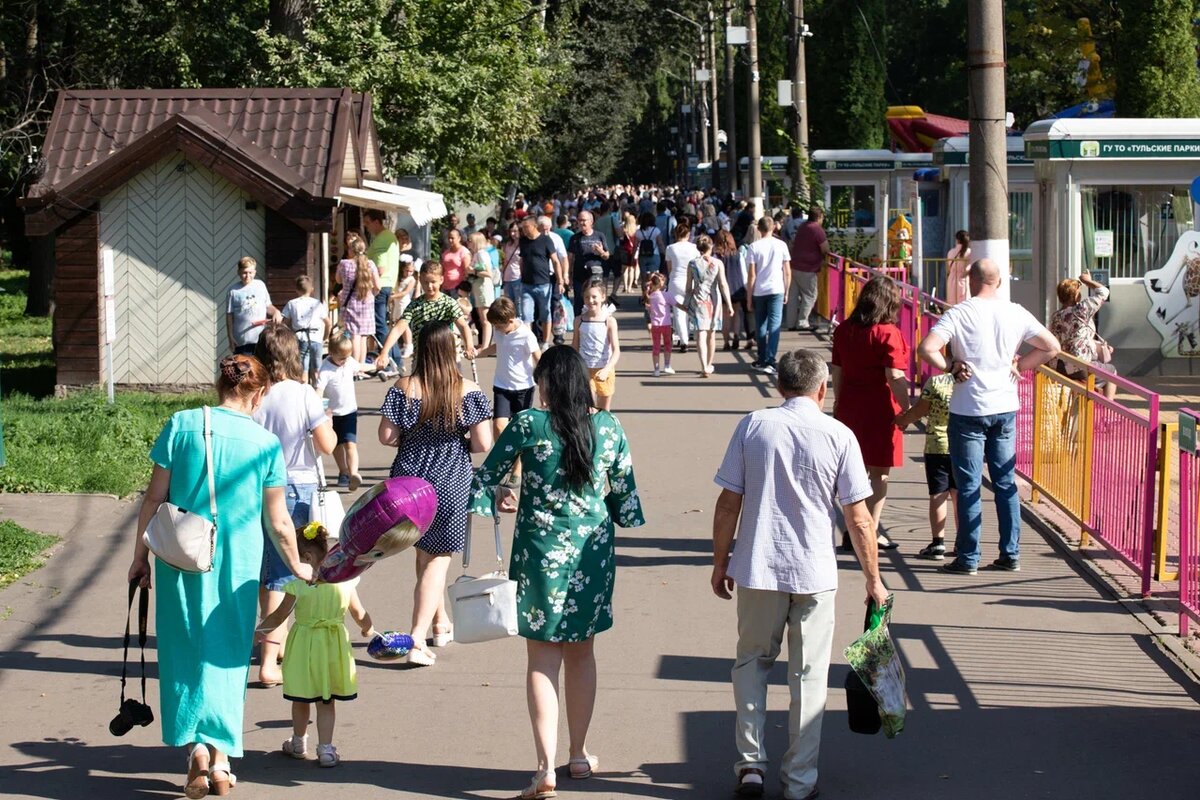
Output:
x=309 y=318
x=335 y=381
x=517 y=351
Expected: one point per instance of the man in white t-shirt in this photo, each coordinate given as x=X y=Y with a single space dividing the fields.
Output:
x=679 y=256
x=768 y=280
x=984 y=334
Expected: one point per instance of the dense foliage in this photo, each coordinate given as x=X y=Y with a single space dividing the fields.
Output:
x=485 y=92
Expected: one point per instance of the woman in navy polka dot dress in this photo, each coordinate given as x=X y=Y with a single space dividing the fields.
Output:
x=436 y=419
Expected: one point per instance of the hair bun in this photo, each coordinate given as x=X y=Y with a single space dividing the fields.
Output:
x=235 y=369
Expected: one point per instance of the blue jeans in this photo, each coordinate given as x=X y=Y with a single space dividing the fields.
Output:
x=768 y=315
x=974 y=440
x=535 y=303
x=275 y=573
x=381 y=324
x=512 y=290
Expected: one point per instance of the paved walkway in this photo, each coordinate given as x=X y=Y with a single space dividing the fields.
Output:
x=1035 y=684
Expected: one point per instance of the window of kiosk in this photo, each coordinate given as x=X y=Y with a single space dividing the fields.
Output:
x=1131 y=230
x=1020 y=233
x=852 y=206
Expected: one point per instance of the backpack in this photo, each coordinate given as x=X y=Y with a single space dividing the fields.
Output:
x=646 y=247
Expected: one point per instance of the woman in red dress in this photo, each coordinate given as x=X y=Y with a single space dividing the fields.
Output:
x=870 y=386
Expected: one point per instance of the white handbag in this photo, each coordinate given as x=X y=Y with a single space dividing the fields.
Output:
x=182 y=539
x=483 y=608
x=326 y=507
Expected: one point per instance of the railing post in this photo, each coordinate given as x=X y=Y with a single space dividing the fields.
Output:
x=1148 y=495
x=1161 y=529
x=1035 y=466
x=1085 y=490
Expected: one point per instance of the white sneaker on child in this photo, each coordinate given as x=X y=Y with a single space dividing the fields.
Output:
x=657 y=372
x=668 y=371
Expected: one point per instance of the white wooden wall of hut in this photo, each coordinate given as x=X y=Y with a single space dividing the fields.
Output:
x=177 y=231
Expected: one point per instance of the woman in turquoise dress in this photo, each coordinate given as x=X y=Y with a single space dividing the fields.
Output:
x=577 y=481
x=205 y=622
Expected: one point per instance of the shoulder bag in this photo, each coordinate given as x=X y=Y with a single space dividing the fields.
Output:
x=1104 y=350
x=483 y=608
x=326 y=507
x=182 y=539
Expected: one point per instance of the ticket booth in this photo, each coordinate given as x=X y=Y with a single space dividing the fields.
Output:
x=863 y=190
x=951 y=157
x=1113 y=197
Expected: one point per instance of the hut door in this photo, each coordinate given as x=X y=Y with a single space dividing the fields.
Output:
x=177 y=231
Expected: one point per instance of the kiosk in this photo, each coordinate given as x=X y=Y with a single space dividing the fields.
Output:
x=1112 y=197
x=861 y=189
x=951 y=157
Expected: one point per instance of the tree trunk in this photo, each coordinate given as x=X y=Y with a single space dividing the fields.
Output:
x=287 y=18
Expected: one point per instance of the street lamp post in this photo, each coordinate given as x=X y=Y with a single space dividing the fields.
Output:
x=731 y=146
x=709 y=47
x=754 y=190
x=714 y=169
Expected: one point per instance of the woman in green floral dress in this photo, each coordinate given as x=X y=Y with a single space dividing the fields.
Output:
x=577 y=481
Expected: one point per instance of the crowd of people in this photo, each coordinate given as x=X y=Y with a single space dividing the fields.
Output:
x=692 y=264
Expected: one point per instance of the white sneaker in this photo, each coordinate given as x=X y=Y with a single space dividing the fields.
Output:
x=421 y=658
x=668 y=371
x=657 y=372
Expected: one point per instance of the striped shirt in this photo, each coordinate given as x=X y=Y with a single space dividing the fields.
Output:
x=793 y=466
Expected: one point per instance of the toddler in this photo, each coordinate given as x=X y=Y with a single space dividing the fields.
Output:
x=318 y=665
x=659 y=308
x=597 y=341
x=335 y=380
x=517 y=352
x=309 y=318
x=934 y=405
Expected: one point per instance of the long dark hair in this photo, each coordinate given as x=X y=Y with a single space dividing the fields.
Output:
x=562 y=380
x=878 y=303
x=435 y=369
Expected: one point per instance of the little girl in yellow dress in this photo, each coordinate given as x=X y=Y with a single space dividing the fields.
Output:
x=318 y=664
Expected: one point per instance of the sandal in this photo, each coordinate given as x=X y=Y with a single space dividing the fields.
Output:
x=197 y=779
x=327 y=756
x=221 y=787
x=884 y=542
x=582 y=768
x=421 y=657
x=441 y=638
x=296 y=747
x=536 y=790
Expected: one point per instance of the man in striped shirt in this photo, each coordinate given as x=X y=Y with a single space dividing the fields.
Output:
x=785 y=472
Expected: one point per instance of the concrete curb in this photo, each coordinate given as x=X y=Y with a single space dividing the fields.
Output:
x=1161 y=631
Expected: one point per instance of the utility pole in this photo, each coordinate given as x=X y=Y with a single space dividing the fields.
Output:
x=701 y=101
x=714 y=115
x=754 y=188
x=988 y=156
x=731 y=149
x=799 y=98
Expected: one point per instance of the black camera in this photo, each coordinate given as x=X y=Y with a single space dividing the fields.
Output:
x=132 y=713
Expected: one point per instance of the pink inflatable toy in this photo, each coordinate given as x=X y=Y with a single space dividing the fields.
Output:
x=386 y=520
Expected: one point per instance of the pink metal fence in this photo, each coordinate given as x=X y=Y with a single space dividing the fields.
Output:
x=1189 y=538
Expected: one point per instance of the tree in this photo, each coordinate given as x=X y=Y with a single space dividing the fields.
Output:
x=457 y=84
x=848 y=77
x=1156 y=73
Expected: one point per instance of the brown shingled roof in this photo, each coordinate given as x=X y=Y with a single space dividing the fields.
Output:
x=289 y=141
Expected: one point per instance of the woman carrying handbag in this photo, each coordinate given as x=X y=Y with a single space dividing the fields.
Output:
x=577 y=482
x=220 y=465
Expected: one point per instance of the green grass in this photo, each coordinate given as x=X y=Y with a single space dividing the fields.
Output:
x=20 y=552
x=80 y=443
x=26 y=353
x=75 y=444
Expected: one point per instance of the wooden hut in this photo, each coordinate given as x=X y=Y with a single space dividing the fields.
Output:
x=168 y=189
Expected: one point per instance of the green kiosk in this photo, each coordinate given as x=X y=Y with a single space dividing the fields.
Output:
x=1113 y=198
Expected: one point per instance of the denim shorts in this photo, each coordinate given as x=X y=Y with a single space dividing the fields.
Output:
x=310 y=352
x=274 y=572
x=535 y=303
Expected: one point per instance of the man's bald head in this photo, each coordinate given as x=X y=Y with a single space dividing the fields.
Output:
x=984 y=277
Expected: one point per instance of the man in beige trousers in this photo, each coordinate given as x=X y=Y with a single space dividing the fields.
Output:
x=785 y=470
